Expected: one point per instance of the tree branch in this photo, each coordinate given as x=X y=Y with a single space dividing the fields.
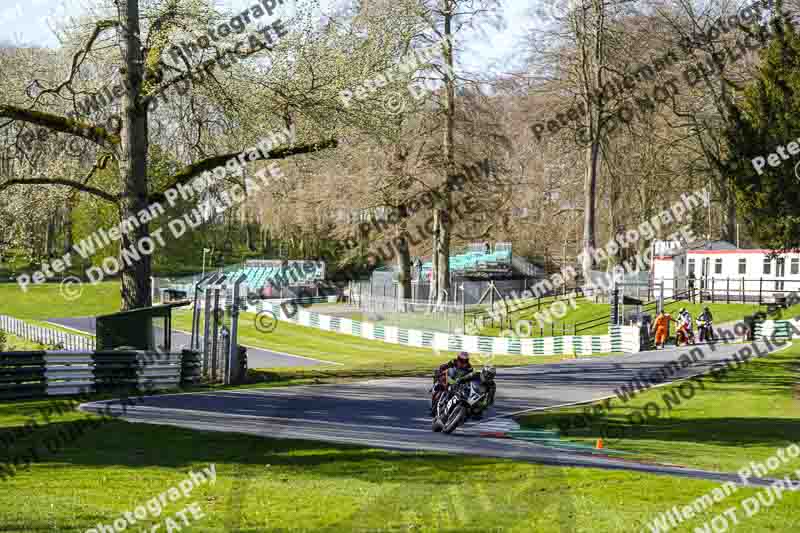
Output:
x=77 y=59
x=57 y=181
x=93 y=133
x=188 y=172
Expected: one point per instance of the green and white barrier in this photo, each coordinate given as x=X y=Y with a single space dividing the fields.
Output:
x=620 y=339
x=777 y=329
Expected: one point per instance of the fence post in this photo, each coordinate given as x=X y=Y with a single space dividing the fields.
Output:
x=760 y=281
x=712 y=289
x=742 y=290
x=728 y=291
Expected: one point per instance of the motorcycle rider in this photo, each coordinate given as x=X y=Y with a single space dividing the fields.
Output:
x=485 y=378
x=706 y=333
x=441 y=378
x=686 y=324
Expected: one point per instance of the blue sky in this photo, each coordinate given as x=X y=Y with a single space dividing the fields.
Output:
x=30 y=22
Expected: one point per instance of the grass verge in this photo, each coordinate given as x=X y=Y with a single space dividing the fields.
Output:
x=741 y=416
x=358 y=357
x=44 y=301
x=289 y=485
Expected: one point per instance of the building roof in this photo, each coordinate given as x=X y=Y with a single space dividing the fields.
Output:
x=710 y=245
x=698 y=247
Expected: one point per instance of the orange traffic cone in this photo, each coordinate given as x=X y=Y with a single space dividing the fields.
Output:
x=599 y=444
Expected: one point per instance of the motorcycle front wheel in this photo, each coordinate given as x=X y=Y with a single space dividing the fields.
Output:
x=455 y=419
x=437 y=425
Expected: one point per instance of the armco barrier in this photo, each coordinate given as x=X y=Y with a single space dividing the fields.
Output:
x=620 y=338
x=52 y=373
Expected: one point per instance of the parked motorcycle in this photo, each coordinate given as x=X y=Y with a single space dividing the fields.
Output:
x=706 y=330
x=464 y=400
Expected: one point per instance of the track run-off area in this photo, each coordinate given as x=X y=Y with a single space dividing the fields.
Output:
x=393 y=413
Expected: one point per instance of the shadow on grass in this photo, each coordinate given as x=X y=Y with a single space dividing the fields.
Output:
x=117 y=443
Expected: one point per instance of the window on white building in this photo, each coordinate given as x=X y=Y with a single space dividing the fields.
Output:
x=767 y=266
x=742 y=266
x=690 y=271
x=718 y=266
x=795 y=266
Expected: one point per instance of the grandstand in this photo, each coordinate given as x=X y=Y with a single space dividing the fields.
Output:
x=472 y=272
x=267 y=278
x=479 y=261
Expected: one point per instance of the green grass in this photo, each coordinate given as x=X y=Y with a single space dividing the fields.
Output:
x=358 y=357
x=587 y=310
x=786 y=314
x=290 y=485
x=45 y=301
x=18 y=344
x=419 y=321
x=746 y=415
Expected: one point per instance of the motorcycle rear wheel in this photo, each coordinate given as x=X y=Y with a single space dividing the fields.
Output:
x=455 y=419
x=437 y=425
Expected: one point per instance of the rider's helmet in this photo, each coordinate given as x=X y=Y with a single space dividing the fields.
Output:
x=462 y=360
x=683 y=310
x=705 y=309
x=488 y=373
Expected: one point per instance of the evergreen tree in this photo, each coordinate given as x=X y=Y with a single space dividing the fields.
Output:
x=766 y=118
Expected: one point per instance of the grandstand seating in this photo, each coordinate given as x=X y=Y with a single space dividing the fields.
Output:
x=475 y=260
x=258 y=277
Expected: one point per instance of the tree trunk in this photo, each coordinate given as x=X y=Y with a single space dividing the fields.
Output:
x=68 y=226
x=50 y=236
x=592 y=47
x=403 y=268
x=136 y=285
x=433 y=290
x=728 y=226
x=618 y=255
x=441 y=214
x=589 y=222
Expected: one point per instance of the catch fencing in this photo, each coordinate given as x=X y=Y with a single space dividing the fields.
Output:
x=45 y=336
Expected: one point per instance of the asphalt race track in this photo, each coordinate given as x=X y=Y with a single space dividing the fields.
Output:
x=392 y=413
x=256 y=357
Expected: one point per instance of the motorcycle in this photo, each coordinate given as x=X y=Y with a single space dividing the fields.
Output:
x=683 y=335
x=706 y=330
x=464 y=400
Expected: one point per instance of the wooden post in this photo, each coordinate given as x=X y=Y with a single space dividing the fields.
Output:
x=712 y=289
x=760 y=281
x=728 y=291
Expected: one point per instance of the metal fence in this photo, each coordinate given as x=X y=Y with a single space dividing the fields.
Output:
x=759 y=291
x=461 y=292
x=411 y=314
x=45 y=336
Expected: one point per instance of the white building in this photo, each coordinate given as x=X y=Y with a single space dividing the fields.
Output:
x=729 y=273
